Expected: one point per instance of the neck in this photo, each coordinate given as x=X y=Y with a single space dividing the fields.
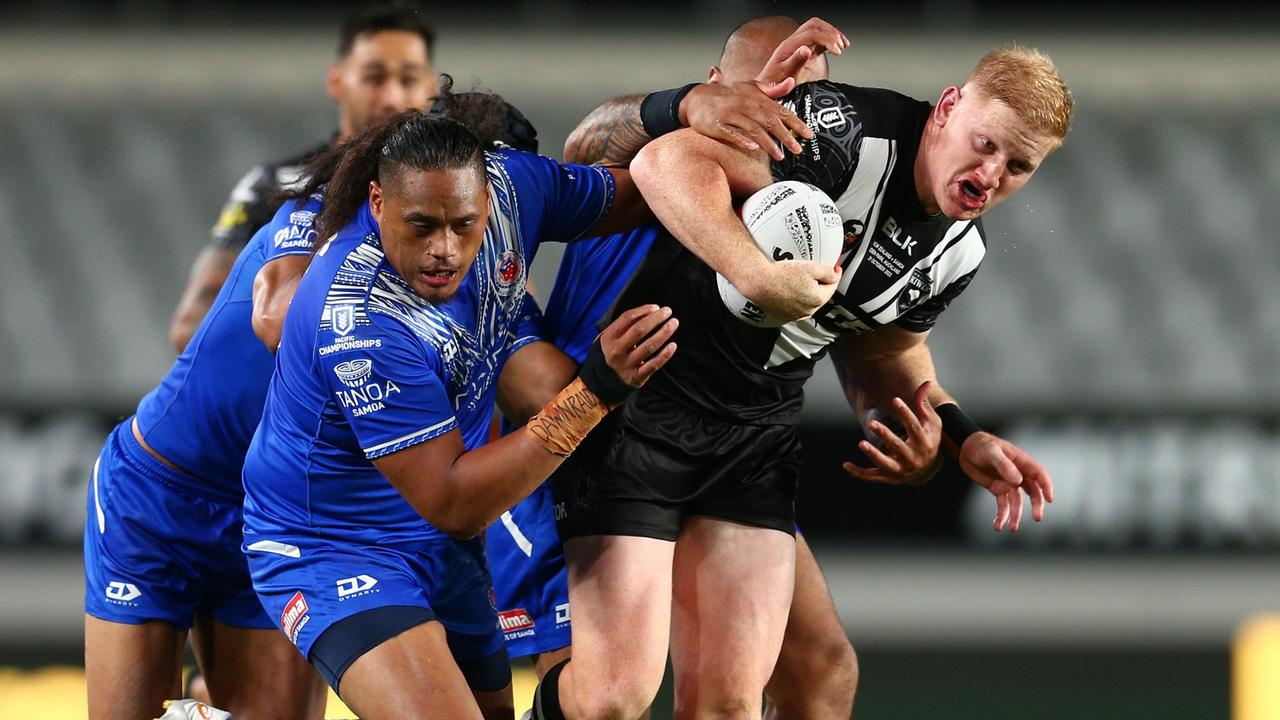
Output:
x=921 y=171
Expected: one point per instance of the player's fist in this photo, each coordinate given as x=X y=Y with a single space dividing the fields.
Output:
x=791 y=289
x=1006 y=471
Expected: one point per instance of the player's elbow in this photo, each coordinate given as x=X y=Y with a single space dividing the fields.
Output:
x=654 y=161
x=460 y=525
x=267 y=326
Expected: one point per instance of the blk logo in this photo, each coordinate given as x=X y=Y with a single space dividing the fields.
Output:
x=352 y=585
x=122 y=591
x=898 y=237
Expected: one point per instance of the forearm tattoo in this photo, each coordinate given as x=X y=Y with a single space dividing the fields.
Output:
x=611 y=135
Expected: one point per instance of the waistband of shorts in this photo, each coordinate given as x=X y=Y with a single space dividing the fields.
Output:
x=149 y=465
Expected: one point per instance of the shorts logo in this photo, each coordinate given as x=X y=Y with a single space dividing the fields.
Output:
x=353 y=373
x=294 y=617
x=831 y=117
x=358 y=585
x=122 y=592
x=562 y=613
x=515 y=620
x=508 y=269
x=344 y=319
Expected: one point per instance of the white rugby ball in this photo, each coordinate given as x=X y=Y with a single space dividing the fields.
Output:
x=789 y=220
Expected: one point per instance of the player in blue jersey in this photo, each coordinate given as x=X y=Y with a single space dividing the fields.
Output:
x=162 y=536
x=379 y=406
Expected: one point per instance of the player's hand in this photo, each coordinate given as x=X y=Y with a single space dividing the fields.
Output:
x=745 y=115
x=810 y=40
x=791 y=289
x=1006 y=471
x=635 y=345
x=907 y=459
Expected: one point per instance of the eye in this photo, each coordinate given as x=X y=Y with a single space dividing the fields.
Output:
x=986 y=144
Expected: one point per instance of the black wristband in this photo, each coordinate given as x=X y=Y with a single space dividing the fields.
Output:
x=956 y=426
x=601 y=379
x=660 y=111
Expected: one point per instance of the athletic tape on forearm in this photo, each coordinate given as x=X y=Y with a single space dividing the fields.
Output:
x=560 y=426
x=956 y=426
x=660 y=111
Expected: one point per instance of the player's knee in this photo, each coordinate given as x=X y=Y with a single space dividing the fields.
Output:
x=722 y=708
x=825 y=674
x=600 y=703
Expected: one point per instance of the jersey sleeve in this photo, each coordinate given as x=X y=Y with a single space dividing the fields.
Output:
x=291 y=230
x=245 y=211
x=575 y=198
x=389 y=385
x=922 y=317
x=530 y=326
x=829 y=158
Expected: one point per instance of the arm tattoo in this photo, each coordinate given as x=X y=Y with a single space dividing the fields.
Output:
x=611 y=135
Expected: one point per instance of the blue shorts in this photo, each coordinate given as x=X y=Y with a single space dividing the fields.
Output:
x=155 y=550
x=308 y=584
x=530 y=579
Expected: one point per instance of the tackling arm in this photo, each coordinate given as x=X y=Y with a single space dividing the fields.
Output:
x=462 y=491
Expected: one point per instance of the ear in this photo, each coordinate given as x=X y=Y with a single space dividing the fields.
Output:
x=333 y=82
x=715 y=76
x=375 y=201
x=946 y=105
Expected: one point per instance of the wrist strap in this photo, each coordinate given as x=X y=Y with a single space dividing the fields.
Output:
x=956 y=426
x=562 y=424
x=601 y=379
x=660 y=111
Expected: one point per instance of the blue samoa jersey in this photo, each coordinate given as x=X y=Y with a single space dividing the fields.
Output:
x=591 y=276
x=202 y=415
x=366 y=367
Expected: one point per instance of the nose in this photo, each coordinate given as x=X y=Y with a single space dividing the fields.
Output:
x=444 y=246
x=989 y=173
x=391 y=96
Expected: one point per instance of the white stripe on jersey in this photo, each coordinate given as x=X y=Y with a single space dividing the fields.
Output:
x=410 y=436
x=861 y=200
x=277 y=548
x=522 y=542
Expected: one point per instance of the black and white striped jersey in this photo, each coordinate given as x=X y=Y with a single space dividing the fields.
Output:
x=900 y=266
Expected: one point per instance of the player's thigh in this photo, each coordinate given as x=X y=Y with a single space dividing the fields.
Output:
x=410 y=675
x=131 y=669
x=256 y=673
x=620 y=592
x=732 y=590
x=817 y=671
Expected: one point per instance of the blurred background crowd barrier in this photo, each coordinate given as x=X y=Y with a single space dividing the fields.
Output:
x=1124 y=328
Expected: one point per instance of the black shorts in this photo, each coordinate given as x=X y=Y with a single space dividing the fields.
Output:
x=653 y=462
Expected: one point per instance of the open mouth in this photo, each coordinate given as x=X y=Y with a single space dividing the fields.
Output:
x=973 y=195
x=438 y=278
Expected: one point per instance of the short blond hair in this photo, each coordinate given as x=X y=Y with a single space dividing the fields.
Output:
x=1026 y=80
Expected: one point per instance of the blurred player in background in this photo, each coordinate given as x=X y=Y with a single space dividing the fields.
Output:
x=911 y=180
x=383 y=67
x=817 y=675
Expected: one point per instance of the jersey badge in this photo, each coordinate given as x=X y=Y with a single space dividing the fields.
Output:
x=917 y=288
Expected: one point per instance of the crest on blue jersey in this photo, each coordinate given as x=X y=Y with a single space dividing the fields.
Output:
x=344 y=319
x=508 y=269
